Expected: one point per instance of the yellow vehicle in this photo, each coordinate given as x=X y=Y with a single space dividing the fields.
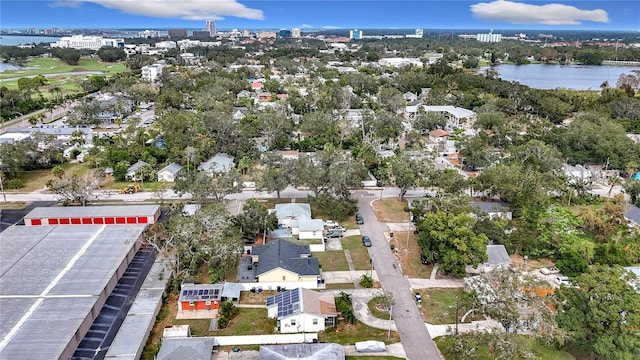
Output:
x=130 y=189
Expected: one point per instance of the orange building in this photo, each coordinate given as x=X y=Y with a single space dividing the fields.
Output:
x=195 y=297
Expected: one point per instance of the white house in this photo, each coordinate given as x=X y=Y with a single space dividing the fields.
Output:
x=220 y=163
x=302 y=310
x=169 y=172
x=152 y=72
x=289 y=215
x=310 y=228
x=494 y=209
x=131 y=171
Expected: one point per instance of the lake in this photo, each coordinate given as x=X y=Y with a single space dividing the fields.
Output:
x=547 y=76
x=12 y=40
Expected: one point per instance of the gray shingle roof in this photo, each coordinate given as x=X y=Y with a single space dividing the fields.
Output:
x=221 y=162
x=292 y=210
x=497 y=255
x=286 y=255
x=172 y=168
x=193 y=348
x=491 y=207
x=633 y=214
x=136 y=166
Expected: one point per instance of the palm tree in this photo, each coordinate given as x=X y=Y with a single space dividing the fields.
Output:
x=614 y=180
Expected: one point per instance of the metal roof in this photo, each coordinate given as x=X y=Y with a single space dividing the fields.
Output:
x=92 y=211
x=51 y=278
x=304 y=351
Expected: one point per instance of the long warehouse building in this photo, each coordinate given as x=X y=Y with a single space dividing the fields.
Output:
x=96 y=215
x=54 y=280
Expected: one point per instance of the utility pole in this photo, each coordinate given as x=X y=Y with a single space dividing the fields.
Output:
x=457 y=303
x=4 y=195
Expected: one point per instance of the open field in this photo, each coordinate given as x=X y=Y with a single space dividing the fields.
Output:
x=43 y=66
x=439 y=306
x=37 y=179
x=390 y=210
x=347 y=334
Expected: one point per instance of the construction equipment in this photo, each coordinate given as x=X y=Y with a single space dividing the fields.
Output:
x=130 y=189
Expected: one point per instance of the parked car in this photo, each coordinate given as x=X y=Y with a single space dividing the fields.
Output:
x=333 y=235
x=549 y=270
x=366 y=241
x=330 y=223
x=563 y=280
x=337 y=228
x=359 y=219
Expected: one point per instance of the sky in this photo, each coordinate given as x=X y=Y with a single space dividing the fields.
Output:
x=323 y=14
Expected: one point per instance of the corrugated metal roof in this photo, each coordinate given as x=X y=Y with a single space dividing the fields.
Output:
x=65 y=268
x=92 y=211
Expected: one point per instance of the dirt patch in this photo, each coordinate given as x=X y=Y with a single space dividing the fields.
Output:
x=409 y=258
x=79 y=69
x=247 y=297
x=518 y=262
x=390 y=210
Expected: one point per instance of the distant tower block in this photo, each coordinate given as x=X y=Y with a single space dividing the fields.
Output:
x=211 y=27
x=419 y=33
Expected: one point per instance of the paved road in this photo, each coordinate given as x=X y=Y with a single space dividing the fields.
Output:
x=414 y=335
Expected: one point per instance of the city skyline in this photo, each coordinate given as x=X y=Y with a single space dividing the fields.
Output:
x=307 y=15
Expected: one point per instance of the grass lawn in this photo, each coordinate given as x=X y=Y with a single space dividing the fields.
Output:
x=340 y=286
x=378 y=308
x=348 y=334
x=332 y=260
x=439 y=306
x=540 y=350
x=41 y=66
x=358 y=252
x=17 y=205
x=391 y=210
x=409 y=259
x=37 y=179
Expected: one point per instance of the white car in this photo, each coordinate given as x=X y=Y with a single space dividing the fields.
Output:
x=549 y=270
x=563 y=280
x=331 y=224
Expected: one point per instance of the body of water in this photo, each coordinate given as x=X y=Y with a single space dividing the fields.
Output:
x=12 y=40
x=547 y=76
x=7 y=66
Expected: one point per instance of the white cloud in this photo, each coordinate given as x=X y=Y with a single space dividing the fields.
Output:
x=330 y=27
x=549 y=14
x=182 y=9
x=306 y=26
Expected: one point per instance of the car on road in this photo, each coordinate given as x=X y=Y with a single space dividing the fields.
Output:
x=549 y=270
x=359 y=219
x=333 y=235
x=366 y=241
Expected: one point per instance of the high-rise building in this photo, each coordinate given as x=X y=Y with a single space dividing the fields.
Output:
x=177 y=33
x=295 y=32
x=148 y=34
x=211 y=27
x=201 y=34
x=355 y=34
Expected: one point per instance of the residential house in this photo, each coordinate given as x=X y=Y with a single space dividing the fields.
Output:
x=218 y=164
x=497 y=256
x=192 y=348
x=633 y=217
x=494 y=209
x=456 y=116
x=239 y=113
x=302 y=310
x=283 y=262
x=438 y=135
x=409 y=96
x=309 y=229
x=302 y=351
x=579 y=175
x=131 y=171
x=290 y=154
x=264 y=96
x=256 y=86
x=289 y=214
x=195 y=297
x=244 y=94
x=169 y=172
x=111 y=107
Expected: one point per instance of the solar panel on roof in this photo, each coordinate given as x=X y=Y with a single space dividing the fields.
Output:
x=200 y=292
x=206 y=292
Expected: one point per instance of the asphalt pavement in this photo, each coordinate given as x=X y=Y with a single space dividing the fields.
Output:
x=417 y=343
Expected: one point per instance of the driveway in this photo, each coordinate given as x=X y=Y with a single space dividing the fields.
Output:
x=414 y=334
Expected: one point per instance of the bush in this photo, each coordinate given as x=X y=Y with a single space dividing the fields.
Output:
x=15 y=184
x=366 y=281
x=571 y=263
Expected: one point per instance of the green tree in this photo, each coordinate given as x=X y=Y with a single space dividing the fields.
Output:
x=602 y=313
x=405 y=172
x=57 y=171
x=451 y=240
x=255 y=218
